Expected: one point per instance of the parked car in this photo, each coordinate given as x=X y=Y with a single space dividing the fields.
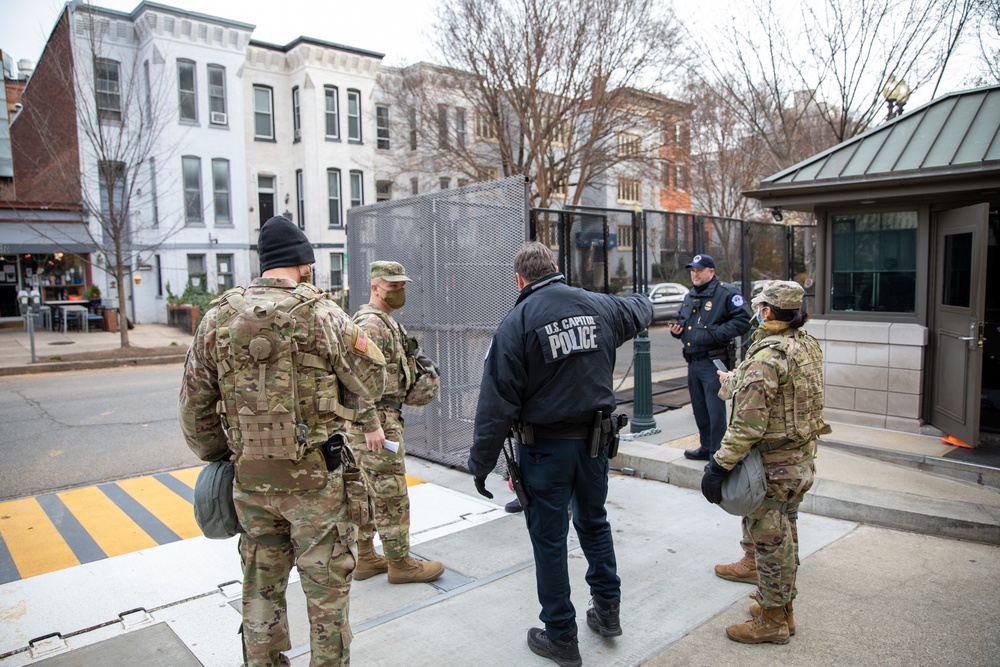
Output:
x=667 y=299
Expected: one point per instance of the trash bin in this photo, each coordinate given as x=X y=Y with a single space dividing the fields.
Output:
x=111 y=320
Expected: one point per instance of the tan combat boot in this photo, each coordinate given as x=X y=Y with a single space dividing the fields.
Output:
x=771 y=626
x=370 y=562
x=789 y=615
x=744 y=570
x=409 y=570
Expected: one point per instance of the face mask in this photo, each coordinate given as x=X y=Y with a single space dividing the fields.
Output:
x=395 y=298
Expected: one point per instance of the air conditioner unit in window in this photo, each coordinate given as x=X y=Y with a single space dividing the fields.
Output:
x=218 y=118
x=298 y=135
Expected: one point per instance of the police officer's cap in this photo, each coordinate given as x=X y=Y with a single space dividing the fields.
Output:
x=701 y=262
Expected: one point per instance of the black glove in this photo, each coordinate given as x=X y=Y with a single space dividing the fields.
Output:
x=481 y=487
x=711 y=482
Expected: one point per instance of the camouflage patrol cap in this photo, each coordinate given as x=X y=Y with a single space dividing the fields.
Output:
x=391 y=271
x=784 y=294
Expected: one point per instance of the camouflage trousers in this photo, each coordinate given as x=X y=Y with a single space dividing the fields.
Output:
x=772 y=536
x=386 y=474
x=324 y=549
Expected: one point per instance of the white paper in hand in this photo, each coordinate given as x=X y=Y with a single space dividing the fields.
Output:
x=391 y=446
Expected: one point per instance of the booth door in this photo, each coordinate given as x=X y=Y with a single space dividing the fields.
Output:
x=958 y=309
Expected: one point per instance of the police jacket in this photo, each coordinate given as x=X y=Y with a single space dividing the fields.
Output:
x=711 y=318
x=551 y=362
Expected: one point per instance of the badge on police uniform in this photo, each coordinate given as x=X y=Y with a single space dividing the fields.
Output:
x=708 y=305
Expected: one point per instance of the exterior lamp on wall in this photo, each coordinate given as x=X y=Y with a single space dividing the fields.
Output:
x=776 y=214
x=896 y=94
x=137 y=279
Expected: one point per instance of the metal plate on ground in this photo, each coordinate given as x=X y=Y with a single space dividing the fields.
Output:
x=155 y=646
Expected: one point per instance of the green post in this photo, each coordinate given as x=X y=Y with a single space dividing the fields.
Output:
x=642 y=397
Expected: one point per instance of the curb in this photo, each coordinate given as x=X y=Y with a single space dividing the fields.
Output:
x=58 y=366
x=852 y=502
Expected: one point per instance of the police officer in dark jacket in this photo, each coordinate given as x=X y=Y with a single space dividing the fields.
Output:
x=713 y=314
x=547 y=374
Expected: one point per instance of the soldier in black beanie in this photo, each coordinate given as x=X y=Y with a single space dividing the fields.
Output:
x=282 y=244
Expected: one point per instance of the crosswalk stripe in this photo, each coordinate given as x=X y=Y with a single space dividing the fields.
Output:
x=58 y=530
x=34 y=543
x=110 y=527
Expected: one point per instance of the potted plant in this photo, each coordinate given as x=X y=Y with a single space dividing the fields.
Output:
x=92 y=293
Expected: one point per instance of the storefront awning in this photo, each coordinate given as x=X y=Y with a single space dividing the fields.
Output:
x=26 y=238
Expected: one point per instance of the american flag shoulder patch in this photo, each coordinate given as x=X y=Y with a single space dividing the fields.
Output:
x=361 y=342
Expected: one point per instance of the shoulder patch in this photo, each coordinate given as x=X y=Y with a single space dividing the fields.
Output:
x=361 y=342
x=738 y=300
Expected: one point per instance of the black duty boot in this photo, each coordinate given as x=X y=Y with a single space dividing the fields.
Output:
x=603 y=617
x=565 y=653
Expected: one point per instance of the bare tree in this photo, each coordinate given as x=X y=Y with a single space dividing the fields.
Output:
x=551 y=84
x=989 y=41
x=122 y=111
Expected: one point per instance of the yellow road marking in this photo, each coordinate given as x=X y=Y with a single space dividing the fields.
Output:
x=34 y=543
x=188 y=475
x=110 y=527
x=413 y=481
x=175 y=512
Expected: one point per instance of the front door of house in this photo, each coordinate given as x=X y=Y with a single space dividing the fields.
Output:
x=958 y=296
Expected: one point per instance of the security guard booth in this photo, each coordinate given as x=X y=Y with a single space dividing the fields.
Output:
x=908 y=267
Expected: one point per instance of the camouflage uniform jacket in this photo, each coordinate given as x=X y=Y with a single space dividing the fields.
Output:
x=324 y=336
x=766 y=406
x=391 y=338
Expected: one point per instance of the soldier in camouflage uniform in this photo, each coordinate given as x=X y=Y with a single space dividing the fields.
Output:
x=778 y=406
x=290 y=498
x=382 y=420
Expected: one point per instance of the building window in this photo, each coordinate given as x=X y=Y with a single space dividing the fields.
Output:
x=444 y=182
x=668 y=167
x=217 y=95
x=624 y=237
x=462 y=182
x=263 y=113
x=560 y=132
x=442 y=126
x=411 y=118
x=152 y=191
x=148 y=91
x=682 y=135
x=336 y=271
x=629 y=190
x=560 y=188
x=300 y=199
x=197 y=275
x=485 y=126
x=296 y=117
x=383 y=190
x=331 y=96
x=414 y=186
x=186 y=91
x=191 y=167
x=680 y=177
x=354 y=115
x=382 y=126
x=107 y=86
x=220 y=189
x=357 y=189
x=159 y=275
x=487 y=174
x=667 y=134
x=460 y=127
x=111 y=183
x=874 y=262
x=224 y=272
x=629 y=145
x=333 y=196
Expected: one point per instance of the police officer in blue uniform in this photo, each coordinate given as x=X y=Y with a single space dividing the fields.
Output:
x=713 y=314
x=548 y=375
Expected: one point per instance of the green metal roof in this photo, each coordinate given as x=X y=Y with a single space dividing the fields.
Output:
x=955 y=134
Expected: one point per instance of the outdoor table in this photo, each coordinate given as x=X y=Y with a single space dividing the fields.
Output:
x=82 y=313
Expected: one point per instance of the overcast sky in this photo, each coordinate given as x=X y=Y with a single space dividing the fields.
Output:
x=394 y=27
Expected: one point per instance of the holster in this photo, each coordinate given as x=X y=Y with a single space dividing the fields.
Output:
x=333 y=450
x=524 y=433
x=605 y=432
x=359 y=505
x=516 y=480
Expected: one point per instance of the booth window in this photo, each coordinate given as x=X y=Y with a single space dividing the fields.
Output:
x=874 y=262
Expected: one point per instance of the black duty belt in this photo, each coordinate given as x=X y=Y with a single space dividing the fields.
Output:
x=711 y=354
x=567 y=432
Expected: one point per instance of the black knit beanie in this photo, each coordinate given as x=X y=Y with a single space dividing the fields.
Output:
x=283 y=244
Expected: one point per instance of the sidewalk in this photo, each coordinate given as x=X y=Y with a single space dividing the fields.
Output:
x=899 y=556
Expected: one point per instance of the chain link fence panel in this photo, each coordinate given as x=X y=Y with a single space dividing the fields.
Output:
x=458 y=246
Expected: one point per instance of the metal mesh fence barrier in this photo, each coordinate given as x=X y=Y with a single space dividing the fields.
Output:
x=458 y=246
